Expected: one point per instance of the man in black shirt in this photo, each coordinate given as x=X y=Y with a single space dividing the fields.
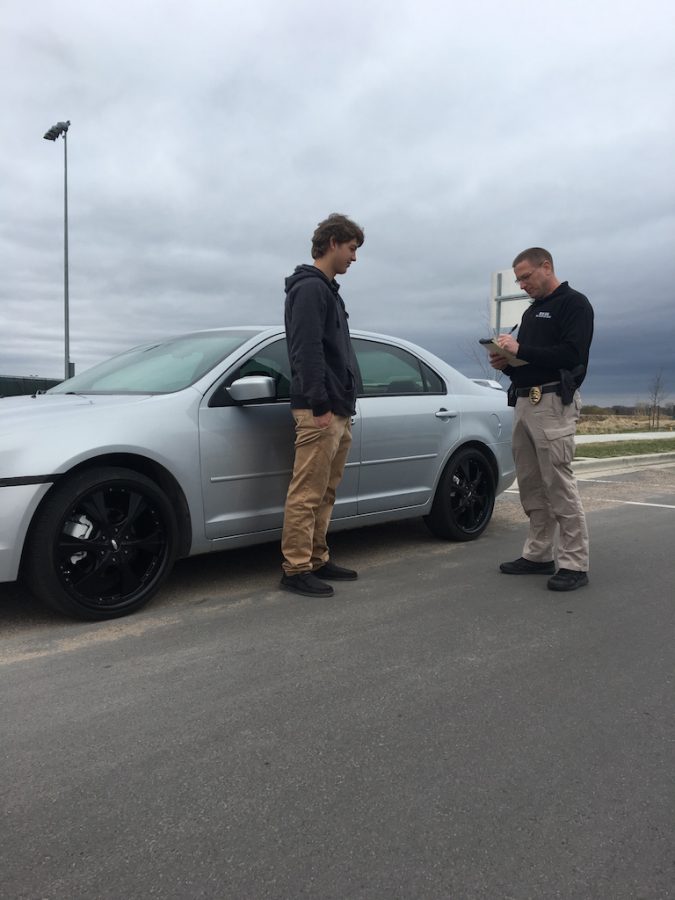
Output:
x=553 y=340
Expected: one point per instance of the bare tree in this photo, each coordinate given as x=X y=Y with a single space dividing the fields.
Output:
x=477 y=354
x=657 y=394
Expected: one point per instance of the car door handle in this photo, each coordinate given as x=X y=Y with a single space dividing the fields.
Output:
x=446 y=414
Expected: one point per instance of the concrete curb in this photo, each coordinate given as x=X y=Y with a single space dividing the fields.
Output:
x=582 y=464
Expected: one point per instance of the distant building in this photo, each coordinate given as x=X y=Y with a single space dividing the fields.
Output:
x=16 y=385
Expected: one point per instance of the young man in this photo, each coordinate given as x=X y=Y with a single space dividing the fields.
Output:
x=323 y=399
x=554 y=339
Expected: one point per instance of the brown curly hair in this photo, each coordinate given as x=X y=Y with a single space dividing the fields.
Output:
x=335 y=226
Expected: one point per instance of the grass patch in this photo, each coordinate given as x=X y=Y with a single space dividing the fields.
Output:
x=617 y=424
x=625 y=448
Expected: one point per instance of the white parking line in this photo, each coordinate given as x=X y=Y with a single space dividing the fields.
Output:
x=609 y=500
x=598 y=481
x=636 y=503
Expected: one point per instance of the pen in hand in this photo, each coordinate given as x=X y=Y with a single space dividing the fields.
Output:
x=510 y=331
x=507 y=334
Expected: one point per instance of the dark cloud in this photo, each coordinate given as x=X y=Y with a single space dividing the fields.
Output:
x=208 y=140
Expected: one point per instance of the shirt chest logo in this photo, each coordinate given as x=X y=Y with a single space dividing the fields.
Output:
x=543 y=315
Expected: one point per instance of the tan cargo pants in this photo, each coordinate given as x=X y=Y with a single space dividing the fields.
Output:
x=543 y=450
x=320 y=457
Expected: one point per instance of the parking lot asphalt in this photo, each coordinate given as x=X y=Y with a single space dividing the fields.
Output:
x=437 y=730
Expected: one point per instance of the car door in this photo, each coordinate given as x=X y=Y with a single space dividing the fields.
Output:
x=247 y=452
x=407 y=423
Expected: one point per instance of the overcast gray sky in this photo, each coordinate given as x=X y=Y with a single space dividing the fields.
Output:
x=208 y=138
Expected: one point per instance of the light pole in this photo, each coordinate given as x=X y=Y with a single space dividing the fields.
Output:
x=61 y=128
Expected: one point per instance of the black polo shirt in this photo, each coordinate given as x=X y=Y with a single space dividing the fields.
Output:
x=555 y=333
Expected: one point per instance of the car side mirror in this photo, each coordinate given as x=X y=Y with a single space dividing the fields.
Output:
x=251 y=388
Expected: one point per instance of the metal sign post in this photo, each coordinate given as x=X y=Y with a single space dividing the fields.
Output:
x=507 y=301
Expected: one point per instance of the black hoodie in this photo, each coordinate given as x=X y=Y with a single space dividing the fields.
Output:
x=323 y=365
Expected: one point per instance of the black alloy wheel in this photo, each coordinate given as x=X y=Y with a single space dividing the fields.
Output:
x=464 y=499
x=102 y=544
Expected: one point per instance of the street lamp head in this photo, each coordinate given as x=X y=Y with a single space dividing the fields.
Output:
x=56 y=131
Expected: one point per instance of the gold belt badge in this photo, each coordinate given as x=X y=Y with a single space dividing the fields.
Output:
x=535 y=395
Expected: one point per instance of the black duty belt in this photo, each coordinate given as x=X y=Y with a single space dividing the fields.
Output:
x=535 y=392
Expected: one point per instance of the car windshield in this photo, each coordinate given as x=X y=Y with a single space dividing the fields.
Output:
x=159 y=368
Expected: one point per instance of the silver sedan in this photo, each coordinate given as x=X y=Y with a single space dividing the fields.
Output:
x=185 y=446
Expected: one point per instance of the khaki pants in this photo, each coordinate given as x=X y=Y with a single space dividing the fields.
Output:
x=320 y=457
x=543 y=449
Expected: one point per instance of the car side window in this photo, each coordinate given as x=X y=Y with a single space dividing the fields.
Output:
x=434 y=383
x=387 y=370
x=272 y=361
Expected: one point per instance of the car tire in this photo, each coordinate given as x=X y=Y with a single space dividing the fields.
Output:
x=101 y=544
x=465 y=497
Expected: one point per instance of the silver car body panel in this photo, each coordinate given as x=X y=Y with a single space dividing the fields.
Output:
x=232 y=463
x=17 y=507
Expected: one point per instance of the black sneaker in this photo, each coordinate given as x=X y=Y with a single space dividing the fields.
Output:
x=331 y=572
x=567 y=580
x=522 y=566
x=306 y=584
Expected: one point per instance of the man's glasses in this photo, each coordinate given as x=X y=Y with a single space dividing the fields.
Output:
x=527 y=276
